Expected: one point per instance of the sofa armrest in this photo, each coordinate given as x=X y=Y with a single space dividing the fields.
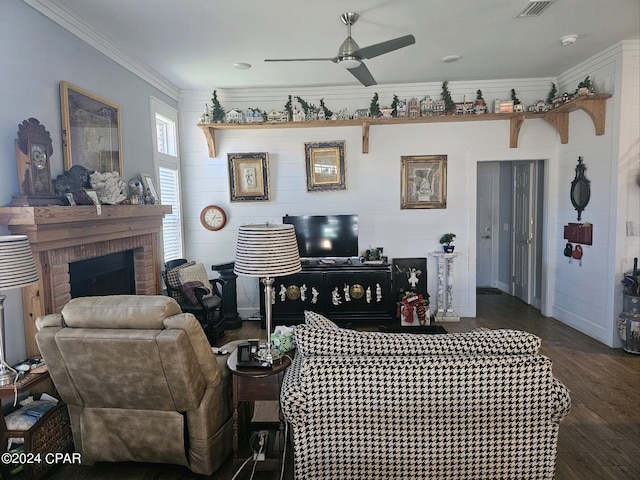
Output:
x=51 y=320
x=562 y=401
x=292 y=397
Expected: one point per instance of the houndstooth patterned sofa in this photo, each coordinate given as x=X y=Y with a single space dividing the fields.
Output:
x=471 y=406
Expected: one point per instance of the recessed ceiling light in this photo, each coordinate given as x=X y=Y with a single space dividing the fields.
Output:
x=451 y=58
x=569 y=39
x=242 y=66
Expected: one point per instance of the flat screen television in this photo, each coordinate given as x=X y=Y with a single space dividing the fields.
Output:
x=325 y=236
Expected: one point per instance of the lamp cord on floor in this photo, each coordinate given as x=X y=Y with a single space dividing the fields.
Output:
x=284 y=448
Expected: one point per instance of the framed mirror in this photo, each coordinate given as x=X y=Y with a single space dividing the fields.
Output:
x=580 y=189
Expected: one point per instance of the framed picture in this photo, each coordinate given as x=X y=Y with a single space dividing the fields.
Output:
x=249 y=176
x=90 y=130
x=149 y=183
x=325 y=166
x=410 y=275
x=423 y=182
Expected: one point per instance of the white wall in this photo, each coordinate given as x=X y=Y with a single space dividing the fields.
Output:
x=588 y=297
x=35 y=55
x=373 y=179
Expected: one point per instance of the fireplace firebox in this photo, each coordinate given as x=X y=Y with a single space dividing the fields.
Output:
x=112 y=274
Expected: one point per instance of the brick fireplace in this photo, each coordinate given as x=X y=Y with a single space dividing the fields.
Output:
x=60 y=236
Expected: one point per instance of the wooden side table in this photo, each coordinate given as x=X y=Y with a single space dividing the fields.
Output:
x=256 y=385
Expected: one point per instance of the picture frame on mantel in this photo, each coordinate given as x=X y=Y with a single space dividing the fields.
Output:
x=90 y=130
x=325 y=166
x=249 y=176
x=423 y=181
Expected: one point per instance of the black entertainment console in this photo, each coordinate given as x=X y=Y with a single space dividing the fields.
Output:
x=344 y=290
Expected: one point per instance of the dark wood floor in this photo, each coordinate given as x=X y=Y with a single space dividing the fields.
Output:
x=599 y=439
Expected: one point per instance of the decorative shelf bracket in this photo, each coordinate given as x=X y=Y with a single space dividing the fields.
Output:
x=560 y=120
x=593 y=105
x=514 y=130
x=210 y=135
x=365 y=137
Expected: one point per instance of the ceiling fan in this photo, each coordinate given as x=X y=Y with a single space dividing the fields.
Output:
x=351 y=56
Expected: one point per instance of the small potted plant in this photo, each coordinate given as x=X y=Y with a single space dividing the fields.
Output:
x=445 y=241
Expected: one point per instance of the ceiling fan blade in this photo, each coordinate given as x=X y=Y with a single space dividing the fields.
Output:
x=363 y=75
x=334 y=60
x=385 y=47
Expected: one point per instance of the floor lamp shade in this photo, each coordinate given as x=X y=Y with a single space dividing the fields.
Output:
x=17 y=269
x=267 y=250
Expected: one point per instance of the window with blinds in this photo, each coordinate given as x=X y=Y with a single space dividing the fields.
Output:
x=171 y=225
x=167 y=163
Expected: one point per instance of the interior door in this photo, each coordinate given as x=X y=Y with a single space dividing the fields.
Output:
x=523 y=231
x=485 y=220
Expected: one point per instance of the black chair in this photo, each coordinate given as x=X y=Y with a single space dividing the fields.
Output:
x=208 y=311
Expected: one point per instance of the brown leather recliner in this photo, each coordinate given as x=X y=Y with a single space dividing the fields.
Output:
x=140 y=381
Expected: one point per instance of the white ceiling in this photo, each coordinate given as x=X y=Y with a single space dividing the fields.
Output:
x=193 y=44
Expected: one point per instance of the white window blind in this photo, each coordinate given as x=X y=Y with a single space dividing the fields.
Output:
x=167 y=165
x=171 y=225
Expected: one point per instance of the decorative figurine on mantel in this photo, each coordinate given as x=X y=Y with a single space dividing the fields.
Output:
x=72 y=184
x=109 y=187
x=136 y=190
x=33 y=157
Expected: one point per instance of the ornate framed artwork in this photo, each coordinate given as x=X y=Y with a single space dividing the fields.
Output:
x=325 y=166
x=249 y=176
x=423 y=181
x=90 y=130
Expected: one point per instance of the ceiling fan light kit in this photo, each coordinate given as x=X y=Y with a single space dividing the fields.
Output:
x=351 y=56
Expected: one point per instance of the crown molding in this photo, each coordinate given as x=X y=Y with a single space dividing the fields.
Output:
x=73 y=24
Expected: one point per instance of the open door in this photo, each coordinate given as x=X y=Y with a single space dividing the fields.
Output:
x=523 y=222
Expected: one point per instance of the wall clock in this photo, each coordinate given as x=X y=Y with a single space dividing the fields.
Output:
x=213 y=218
x=33 y=157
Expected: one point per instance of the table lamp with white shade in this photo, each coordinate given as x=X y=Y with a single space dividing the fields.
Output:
x=17 y=270
x=267 y=251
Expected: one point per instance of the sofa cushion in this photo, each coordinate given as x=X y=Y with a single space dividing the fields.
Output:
x=319 y=321
x=194 y=273
x=174 y=281
x=327 y=342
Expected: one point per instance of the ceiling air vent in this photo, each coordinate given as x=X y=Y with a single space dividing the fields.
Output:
x=534 y=8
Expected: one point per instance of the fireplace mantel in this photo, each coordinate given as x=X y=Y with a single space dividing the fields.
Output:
x=61 y=235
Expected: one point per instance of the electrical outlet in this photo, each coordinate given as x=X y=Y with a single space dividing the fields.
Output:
x=262 y=440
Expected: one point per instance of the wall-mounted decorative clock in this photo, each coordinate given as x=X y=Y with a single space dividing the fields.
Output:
x=33 y=157
x=213 y=218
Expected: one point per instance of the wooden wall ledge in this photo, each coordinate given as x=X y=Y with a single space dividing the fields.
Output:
x=593 y=105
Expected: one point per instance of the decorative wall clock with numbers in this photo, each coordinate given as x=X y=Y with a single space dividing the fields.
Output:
x=213 y=218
